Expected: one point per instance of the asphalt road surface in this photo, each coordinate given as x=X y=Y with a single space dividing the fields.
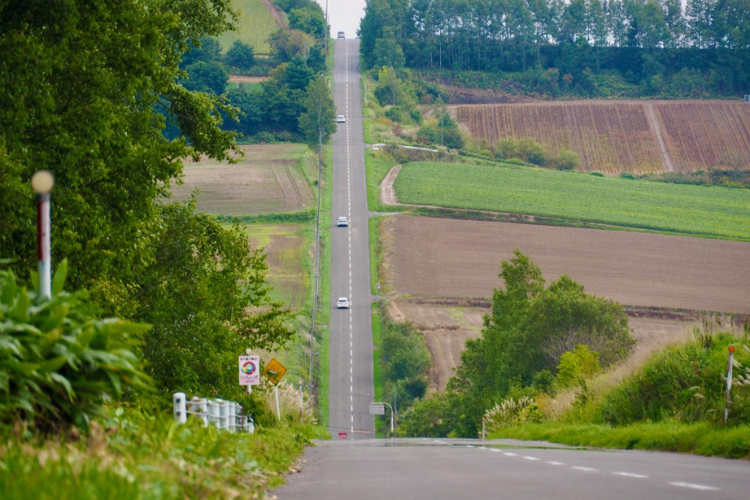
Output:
x=454 y=469
x=350 y=384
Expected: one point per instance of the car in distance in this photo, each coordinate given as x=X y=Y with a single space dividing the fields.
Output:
x=342 y=222
x=343 y=303
x=341 y=119
x=341 y=34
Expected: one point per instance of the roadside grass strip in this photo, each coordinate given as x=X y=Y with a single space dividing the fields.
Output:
x=693 y=210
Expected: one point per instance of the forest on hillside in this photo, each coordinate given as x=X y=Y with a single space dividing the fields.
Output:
x=704 y=43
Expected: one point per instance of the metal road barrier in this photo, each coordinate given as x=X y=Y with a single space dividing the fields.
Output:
x=222 y=414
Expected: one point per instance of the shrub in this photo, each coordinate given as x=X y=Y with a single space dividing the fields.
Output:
x=58 y=364
x=577 y=365
x=511 y=412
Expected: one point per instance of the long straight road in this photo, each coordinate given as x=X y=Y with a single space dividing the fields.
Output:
x=351 y=383
x=363 y=468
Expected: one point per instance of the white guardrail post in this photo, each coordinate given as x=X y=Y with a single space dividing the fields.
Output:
x=218 y=412
x=178 y=407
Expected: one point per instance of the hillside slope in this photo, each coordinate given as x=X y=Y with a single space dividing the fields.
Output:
x=632 y=136
x=257 y=19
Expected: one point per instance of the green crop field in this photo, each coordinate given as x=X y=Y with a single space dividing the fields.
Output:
x=696 y=210
x=254 y=25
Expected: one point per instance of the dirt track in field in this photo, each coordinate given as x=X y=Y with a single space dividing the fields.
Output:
x=434 y=258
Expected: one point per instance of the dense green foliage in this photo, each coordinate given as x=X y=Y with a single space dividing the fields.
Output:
x=660 y=46
x=405 y=363
x=525 y=336
x=684 y=384
x=696 y=210
x=58 y=363
x=94 y=110
x=134 y=455
x=206 y=305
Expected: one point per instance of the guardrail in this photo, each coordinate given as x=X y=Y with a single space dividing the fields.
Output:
x=222 y=414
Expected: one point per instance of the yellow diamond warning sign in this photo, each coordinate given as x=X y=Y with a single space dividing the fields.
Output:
x=274 y=371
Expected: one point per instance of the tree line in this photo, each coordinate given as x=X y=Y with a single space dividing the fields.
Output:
x=639 y=39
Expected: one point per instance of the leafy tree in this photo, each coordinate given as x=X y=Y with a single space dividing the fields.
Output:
x=87 y=92
x=388 y=52
x=317 y=123
x=577 y=365
x=250 y=105
x=209 y=77
x=240 y=55
x=288 y=44
x=207 y=49
x=309 y=19
x=529 y=329
x=206 y=305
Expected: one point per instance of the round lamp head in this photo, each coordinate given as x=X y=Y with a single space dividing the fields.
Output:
x=42 y=182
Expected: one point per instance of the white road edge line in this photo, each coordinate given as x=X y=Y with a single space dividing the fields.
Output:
x=584 y=469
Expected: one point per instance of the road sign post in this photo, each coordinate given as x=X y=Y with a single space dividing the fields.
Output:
x=729 y=383
x=379 y=409
x=275 y=372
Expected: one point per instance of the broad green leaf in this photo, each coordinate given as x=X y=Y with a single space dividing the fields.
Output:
x=56 y=318
x=54 y=364
x=58 y=281
x=65 y=383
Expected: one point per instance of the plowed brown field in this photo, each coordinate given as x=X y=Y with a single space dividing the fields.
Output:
x=267 y=179
x=446 y=258
x=634 y=136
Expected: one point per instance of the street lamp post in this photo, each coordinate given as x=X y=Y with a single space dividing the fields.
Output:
x=42 y=183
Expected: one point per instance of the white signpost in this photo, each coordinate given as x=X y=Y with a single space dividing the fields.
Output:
x=249 y=370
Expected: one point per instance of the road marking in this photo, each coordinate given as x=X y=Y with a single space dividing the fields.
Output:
x=630 y=474
x=496 y=451
x=555 y=463
x=509 y=454
x=696 y=486
x=530 y=458
x=584 y=469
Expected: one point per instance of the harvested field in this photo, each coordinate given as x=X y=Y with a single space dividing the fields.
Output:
x=444 y=258
x=633 y=136
x=268 y=179
x=446 y=329
x=285 y=247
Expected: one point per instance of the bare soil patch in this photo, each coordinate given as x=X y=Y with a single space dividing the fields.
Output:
x=247 y=79
x=444 y=258
x=267 y=179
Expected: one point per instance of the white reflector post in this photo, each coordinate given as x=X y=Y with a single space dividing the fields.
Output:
x=178 y=407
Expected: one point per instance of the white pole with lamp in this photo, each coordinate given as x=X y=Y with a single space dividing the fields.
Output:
x=42 y=183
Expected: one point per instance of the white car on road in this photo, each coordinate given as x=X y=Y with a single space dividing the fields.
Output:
x=341 y=119
x=342 y=222
x=343 y=303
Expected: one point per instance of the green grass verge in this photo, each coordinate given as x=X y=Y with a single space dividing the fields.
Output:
x=375 y=254
x=377 y=367
x=147 y=455
x=254 y=25
x=699 y=439
x=693 y=210
x=325 y=285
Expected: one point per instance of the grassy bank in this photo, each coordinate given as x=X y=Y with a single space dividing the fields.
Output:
x=694 y=210
x=135 y=454
x=699 y=439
